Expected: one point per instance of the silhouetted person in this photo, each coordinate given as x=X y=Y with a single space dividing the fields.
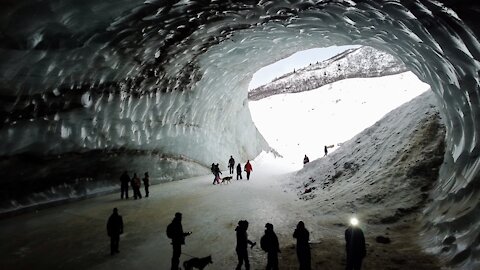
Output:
x=231 y=164
x=303 y=247
x=269 y=243
x=114 y=229
x=124 y=180
x=217 y=173
x=135 y=183
x=355 y=247
x=242 y=243
x=239 y=171
x=212 y=169
x=248 y=168
x=175 y=232
x=325 y=149
x=305 y=160
x=146 y=183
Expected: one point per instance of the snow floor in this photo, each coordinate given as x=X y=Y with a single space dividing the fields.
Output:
x=73 y=236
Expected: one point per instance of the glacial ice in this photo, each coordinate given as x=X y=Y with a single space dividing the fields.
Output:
x=167 y=81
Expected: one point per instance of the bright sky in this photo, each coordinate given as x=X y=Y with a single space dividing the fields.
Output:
x=295 y=61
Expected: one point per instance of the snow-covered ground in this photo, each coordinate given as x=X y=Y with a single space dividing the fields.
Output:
x=374 y=176
x=303 y=123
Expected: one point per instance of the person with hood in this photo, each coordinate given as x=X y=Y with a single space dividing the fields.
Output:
x=355 y=246
x=239 y=171
x=146 y=183
x=124 y=180
x=269 y=244
x=248 y=168
x=231 y=164
x=114 y=229
x=303 y=247
x=175 y=232
x=242 y=243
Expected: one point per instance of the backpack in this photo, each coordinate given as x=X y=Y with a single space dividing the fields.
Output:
x=170 y=230
x=263 y=243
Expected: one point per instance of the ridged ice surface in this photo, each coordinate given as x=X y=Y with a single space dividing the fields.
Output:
x=172 y=76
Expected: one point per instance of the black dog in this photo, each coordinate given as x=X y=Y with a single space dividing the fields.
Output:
x=226 y=179
x=198 y=263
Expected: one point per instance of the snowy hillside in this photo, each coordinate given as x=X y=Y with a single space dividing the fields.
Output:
x=363 y=62
x=385 y=171
x=337 y=111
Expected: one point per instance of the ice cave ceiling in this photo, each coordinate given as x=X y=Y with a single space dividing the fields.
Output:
x=89 y=87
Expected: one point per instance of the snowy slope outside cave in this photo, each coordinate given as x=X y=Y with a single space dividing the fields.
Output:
x=303 y=123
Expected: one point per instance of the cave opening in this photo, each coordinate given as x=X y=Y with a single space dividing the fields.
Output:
x=297 y=120
x=192 y=47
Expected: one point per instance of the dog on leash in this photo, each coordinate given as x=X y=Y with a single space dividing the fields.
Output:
x=226 y=179
x=198 y=263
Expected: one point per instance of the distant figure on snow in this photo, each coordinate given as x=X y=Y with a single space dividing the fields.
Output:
x=248 y=168
x=135 y=183
x=355 y=246
x=305 y=160
x=175 y=232
x=146 y=183
x=239 y=171
x=242 y=243
x=269 y=244
x=231 y=164
x=216 y=172
x=124 y=180
x=325 y=149
x=114 y=229
x=303 y=247
x=212 y=169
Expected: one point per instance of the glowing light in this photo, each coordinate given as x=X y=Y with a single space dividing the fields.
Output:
x=354 y=221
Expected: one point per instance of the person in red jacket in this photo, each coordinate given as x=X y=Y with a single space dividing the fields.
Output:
x=248 y=168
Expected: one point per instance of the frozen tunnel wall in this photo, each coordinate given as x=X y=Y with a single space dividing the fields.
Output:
x=169 y=79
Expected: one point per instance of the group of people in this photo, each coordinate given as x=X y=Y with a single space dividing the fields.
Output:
x=269 y=243
x=354 y=246
x=135 y=184
x=231 y=165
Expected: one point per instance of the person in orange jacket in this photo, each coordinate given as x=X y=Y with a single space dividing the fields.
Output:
x=248 y=168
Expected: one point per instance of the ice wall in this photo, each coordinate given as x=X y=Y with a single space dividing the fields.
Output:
x=169 y=79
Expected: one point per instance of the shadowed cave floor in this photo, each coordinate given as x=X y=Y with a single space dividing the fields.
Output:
x=73 y=236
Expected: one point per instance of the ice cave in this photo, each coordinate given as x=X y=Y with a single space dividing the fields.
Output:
x=89 y=88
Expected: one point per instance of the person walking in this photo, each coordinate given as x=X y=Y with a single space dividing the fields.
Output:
x=242 y=244
x=248 y=168
x=114 y=230
x=325 y=149
x=175 y=232
x=124 y=180
x=269 y=244
x=303 y=247
x=217 y=173
x=212 y=169
x=231 y=164
x=355 y=246
x=146 y=184
x=239 y=171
